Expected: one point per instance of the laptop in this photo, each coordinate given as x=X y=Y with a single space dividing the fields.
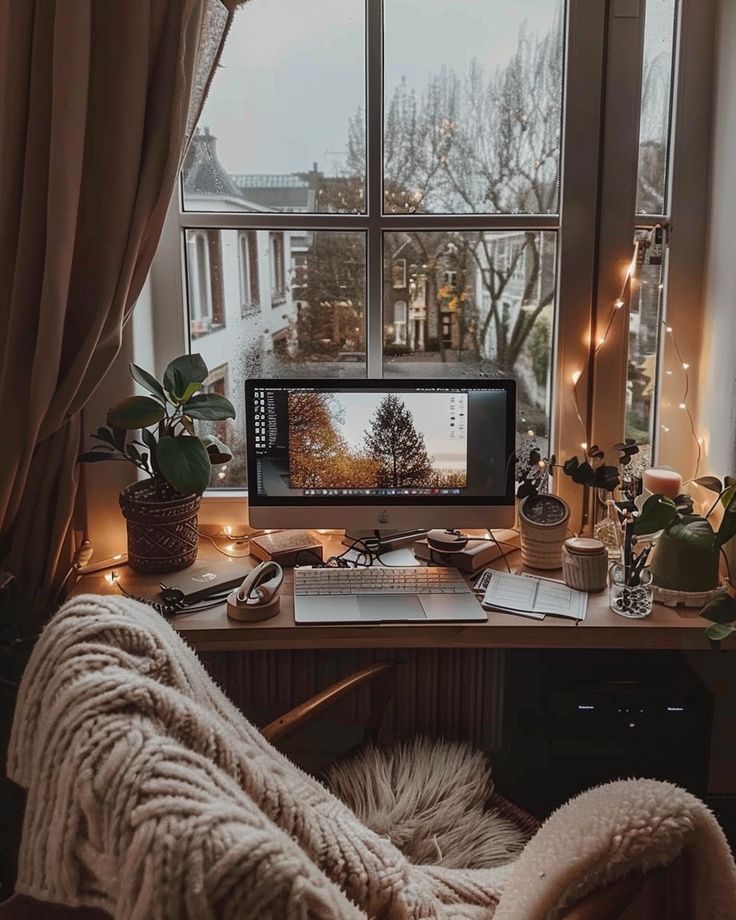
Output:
x=383 y=594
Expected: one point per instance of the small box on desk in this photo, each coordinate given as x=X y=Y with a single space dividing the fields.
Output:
x=475 y=556
x=287 y=547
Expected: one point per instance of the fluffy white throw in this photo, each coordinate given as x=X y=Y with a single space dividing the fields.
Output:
x=150 y=796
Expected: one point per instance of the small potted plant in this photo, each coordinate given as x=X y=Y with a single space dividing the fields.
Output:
x=686 y=558
x=543 y=518
x=156 y=434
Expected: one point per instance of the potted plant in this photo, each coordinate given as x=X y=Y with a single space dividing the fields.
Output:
x=156 y=434
x=543 y=518
x=686 y=557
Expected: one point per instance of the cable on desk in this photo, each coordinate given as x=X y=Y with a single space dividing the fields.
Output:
x=498 y=544
x=232 y=540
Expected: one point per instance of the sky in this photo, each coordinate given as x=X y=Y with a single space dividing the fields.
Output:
x=431 y=414
x=292 y=72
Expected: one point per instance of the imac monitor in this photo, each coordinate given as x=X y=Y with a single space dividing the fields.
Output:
x=380 y=454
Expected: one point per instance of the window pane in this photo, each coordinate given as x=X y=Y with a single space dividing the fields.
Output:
x=473 y=304
x=645 y=327
x=283 y=127
x=472 y=107
x=656 y=93
x=291 y=304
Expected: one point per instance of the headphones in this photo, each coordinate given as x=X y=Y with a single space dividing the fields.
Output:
x=258 y=596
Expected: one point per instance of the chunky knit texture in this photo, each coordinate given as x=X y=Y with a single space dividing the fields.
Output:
x=150 y=796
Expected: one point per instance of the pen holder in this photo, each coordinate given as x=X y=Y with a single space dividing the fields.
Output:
x=632 y=601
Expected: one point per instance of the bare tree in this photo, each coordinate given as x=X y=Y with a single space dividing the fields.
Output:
x=483 y=144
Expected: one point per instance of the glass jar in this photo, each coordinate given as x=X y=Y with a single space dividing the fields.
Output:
x=633 y=601
x=608 y=531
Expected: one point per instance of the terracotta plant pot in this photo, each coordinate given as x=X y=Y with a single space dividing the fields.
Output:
x=162 y=535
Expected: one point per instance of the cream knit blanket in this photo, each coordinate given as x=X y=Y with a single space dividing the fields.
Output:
x=151 y=797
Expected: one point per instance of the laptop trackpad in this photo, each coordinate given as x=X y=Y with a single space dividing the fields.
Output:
x=390 y=608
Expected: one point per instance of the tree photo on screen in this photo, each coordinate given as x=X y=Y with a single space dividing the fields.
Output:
x=376 y=441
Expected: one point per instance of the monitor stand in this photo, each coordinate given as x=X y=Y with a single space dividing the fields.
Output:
x=387 y=539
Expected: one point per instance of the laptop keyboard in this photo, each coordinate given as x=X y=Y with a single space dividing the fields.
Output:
x=379 y=579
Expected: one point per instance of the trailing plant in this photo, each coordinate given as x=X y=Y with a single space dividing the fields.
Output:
x=721 y=611
x=593 y=470
x=156 y=433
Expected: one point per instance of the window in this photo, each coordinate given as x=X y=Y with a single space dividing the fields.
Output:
x=429 y=204
x=250 y=298
x=278 y=270
x=205 y=281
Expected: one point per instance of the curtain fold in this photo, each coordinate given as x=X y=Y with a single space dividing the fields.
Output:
x=97 y=104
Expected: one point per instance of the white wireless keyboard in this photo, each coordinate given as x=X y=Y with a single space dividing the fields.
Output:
x=378 y=579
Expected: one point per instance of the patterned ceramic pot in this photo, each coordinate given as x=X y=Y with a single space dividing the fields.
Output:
x=162 y=535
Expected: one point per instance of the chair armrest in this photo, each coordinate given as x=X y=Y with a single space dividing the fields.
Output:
x=377 y=673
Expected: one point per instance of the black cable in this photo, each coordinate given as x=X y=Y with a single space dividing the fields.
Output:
x=498 y=544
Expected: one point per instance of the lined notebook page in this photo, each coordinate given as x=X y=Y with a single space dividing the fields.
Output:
x=533 y=596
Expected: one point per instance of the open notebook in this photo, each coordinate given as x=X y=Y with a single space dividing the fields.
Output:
x=532 y=596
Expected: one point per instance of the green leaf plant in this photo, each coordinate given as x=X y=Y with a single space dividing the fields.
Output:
x=156 y=433
x=695 y=535
x=677 y=520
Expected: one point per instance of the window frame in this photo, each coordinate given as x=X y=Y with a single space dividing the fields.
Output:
x=594 y=228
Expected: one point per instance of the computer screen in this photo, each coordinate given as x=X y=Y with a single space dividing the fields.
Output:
x=368 y=444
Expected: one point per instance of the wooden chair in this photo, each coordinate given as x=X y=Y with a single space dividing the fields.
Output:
x=609 y=903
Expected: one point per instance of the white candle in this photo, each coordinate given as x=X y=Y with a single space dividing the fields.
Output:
x=662 y=482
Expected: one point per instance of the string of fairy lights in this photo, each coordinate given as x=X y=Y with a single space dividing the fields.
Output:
x=616 y=309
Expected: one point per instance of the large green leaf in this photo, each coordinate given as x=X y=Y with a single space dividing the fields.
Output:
x=148 y=382
x=717 y=632
x=184 y=463
x=219 y=452
x=181 y=372
x=149 y=440
x=96 y=455
x=135 y=412
x=712 y=483
x=693 y=531
x=106 y=435
x=722 y=609
x=656 y=514
x=729 y=493
x=209 y=406
x=727 y=530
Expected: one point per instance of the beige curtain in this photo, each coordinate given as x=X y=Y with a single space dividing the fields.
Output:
x=98 y=99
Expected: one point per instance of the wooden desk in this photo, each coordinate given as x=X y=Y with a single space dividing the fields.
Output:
x=212 y=630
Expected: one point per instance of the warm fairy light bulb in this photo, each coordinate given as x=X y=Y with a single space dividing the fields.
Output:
x=575 y=377
x=602 y=340
x=228 y=529
x=230 y=547
x=584 y=445
x=665 y=428
x=111 y=577
x=542 y=465
x=683 y=406
x=669 y=328
x=685 y=365
x=221 y=475
x=530 y=433
x=618 y=303
x=669 y=373
x=700 y=441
